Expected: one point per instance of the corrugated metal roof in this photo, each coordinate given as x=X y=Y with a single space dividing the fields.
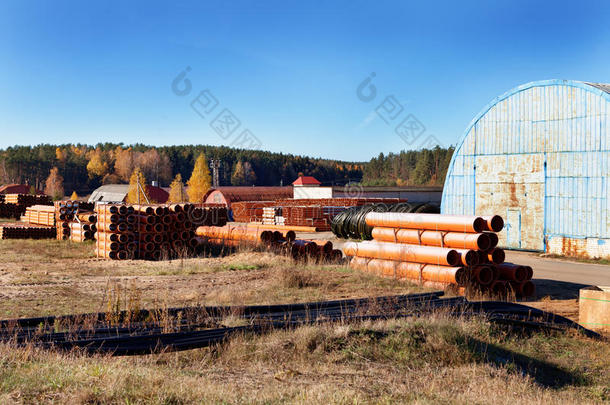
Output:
x=602 y=86
x=539 y=155
x=118 y=192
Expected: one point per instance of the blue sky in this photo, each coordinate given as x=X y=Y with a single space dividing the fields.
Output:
x=91 y=72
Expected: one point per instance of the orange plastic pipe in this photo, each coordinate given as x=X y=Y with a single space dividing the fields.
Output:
x=512 y=272
x=112 y=237
x=524 y=289
x=498 y=287
x=411 y=271
x=435 y=222
x=496 y=256
x=403 y=252
x=468 y=257
x=484 y=275
x=493 y=239
x=493 y=223
x=479 y=241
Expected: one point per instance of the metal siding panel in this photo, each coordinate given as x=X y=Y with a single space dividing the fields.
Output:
x=571 y=125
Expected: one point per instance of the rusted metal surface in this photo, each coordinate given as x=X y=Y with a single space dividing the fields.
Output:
x=538 y=154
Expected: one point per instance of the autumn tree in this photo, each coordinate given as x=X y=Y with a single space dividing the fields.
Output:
x=74 y=196
x=123 y=163
x=54 y=185
x=200 y=181
x=176 y=190
x=97 y=166
x=137 y=188
x=238 y=178
x=154 y=165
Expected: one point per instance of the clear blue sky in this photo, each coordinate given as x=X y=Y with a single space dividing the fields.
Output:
x=78 y=71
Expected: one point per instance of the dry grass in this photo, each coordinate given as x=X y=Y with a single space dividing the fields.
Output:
x=429 y=360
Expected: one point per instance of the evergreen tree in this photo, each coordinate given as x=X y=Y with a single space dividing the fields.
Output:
x=176 y=190
x=137 y=188
x=55 y=184
x=200 y=181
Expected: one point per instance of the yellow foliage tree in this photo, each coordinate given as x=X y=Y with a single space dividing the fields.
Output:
x=137 y=194
x=60 y=155
x=200 y=181
x=97 y=166
x=55 y=184
x=74 y=196
x=176 y=190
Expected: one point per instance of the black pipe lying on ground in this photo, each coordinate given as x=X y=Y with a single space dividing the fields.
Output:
x=155 y=331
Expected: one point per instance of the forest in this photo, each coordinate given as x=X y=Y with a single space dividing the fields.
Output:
x=84 y=168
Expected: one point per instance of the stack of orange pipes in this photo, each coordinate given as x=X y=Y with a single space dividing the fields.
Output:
x=440 y=251
x=233 y=235
x=151 y=232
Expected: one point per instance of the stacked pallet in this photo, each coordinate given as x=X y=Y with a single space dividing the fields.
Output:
x=26 y=232
x=440 y=251
x=152 y=232
x=234 y=235
x=39 y=215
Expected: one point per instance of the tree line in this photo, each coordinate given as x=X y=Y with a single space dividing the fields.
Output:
x=421 y=167
x=83 y=168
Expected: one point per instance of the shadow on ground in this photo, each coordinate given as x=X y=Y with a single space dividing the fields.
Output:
x=544 y=373
x=561 y=290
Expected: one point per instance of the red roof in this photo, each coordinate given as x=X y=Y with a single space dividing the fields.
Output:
x=229 y=194
x=306 y=181
x=17 y=189
x=157 y=194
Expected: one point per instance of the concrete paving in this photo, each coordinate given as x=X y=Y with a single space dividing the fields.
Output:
x=562 y=269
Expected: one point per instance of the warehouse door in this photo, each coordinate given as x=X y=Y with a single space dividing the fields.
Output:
x=513 y=228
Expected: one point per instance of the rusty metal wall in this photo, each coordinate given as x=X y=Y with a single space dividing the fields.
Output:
x=538 y=155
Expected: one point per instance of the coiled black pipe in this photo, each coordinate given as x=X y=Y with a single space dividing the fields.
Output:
x=351 y=224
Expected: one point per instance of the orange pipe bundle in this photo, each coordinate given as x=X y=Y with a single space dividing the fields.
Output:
x=403 y=252
x=483 y=275
x=435 y=222
x=478 y=241
x=412 y=271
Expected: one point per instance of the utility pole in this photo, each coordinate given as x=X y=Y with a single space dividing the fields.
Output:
x=215 y=166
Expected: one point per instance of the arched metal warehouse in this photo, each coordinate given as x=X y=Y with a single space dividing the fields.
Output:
x=538 y=156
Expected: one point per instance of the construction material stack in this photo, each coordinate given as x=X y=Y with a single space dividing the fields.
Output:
x=15 y=205
x=237 y=235
x=152 y=232
x=83 y=227
x=39 y=215
x=75 y=220
x=440 y=251
x=19 y=231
